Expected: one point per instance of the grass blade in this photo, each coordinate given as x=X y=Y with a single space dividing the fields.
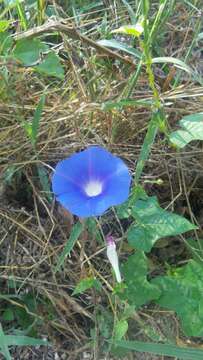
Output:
x=21 y=13
x=162 y=349
x=120 y=46
x=36 y=120
x=131 y=12
x=75 y=233
x=3 y=345
x=41 y=7
x=17 y=340
x=44 y=181
x=176 y=62
x=147 y=144
x=109 y=105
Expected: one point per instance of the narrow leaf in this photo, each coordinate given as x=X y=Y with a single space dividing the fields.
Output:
x=36 y=120
x=44 y=181
x=131 y=12
x=162 y=349
x=16 y=340
x=176 y=62
x=75 y=233
x=6 y=43
x=146 y=146
x=4 y=345
x=109 y=105
x=120 y=46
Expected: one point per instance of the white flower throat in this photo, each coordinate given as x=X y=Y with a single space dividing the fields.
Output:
x=93 y=188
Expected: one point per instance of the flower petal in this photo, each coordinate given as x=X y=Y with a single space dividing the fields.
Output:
x=83 y=206
x=75 y=176
x=102 y=163
x=72 y=170
x=118 y=187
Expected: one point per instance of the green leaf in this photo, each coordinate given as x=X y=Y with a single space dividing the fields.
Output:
x=194 y=248
x=10 y=3
x=104 y=320
x=133 y=30
x=4 y=24
x=176 y=62
x=131 y=12
x=74 y=235
x=22 y=15
x=192 y=129
x=28 y=51
x=36 y=119
x=124 y=211
x=147 y=144
x=181 y=138
x=8 y=315
x=51 y=66
x=120 y=46
x=182 y=292
x=200 y=36
x=44 y=181
x=120 y=329
x=16 y=340
x=93 y=229
x=154 y=223
x=86 y=284
x=4 y=345
x=145 y=7
x=8 y=174
x=184 y=353
x=138 y=290
x=109 y=105
x=6 y=43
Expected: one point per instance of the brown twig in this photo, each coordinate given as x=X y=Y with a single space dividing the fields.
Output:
x=73 y=33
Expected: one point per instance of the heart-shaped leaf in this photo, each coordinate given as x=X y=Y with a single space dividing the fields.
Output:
x=28 y=50
x=192 y=129
x=182 y=292
x=51 y=66
x=153 y=223
x=138 y=290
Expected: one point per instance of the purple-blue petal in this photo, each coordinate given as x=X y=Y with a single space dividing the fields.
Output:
x=94 y=164
x=117 y=187
x=101 y=163
x=84 y=206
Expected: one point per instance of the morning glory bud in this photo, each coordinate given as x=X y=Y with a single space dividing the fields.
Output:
x=113 y=257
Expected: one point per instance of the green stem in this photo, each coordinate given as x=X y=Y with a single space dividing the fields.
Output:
x=158 y=120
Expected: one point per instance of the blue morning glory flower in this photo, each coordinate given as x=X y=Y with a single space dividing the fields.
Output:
x=89 y=182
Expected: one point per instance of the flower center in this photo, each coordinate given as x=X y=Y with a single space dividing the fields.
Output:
x=93 y=188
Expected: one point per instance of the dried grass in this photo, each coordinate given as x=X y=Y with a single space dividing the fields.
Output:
x=33 y=233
